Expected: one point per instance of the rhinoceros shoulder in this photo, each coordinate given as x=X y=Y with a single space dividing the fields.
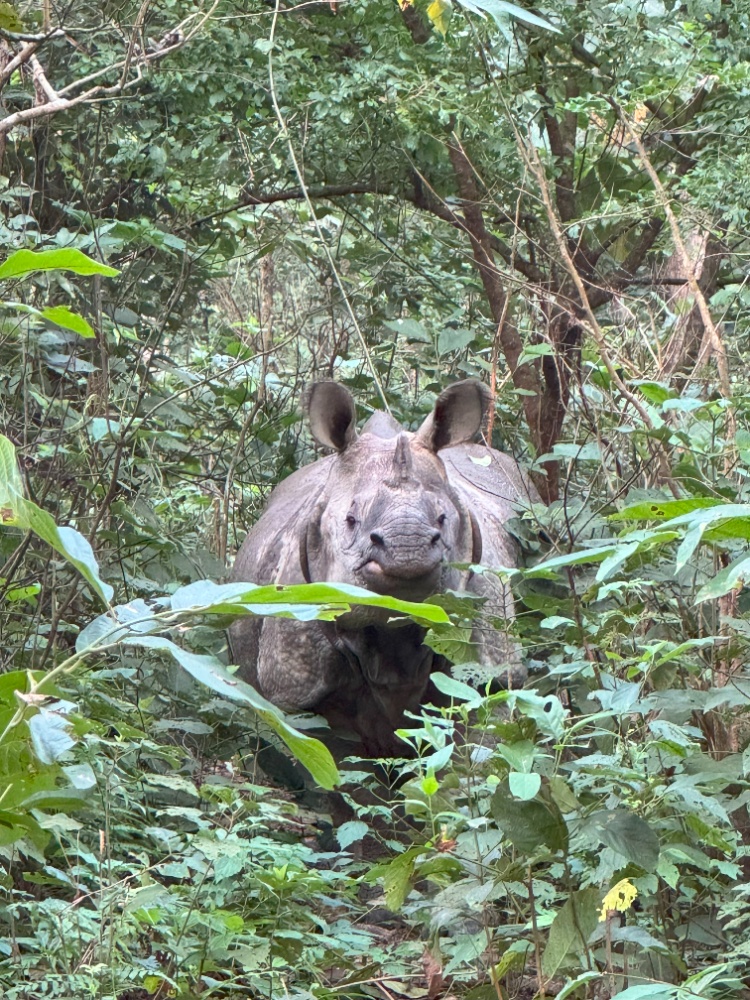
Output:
x=269 y=553
x=488 y=477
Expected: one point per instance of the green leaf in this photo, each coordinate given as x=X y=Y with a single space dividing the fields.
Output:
x=50 y=734
x=351 y=833
x=449 y=686
x=410 y=329
x=311 y=753
x=9 y=19
x=500 y=9
x=439 y=12
x=396 y=877
x=62 y=316
x=533 y=351
x=649 y=991
x=688 y=545
x=520 y=755
x=571 y=929
x=529 y=826
x=661 y=509
x=25 y=262
x=656 y=392
x=233 y=598
x=574 y=986
x=731 y=577
x=450 y=340
x=524 y=786
x=628 y=835
x=547 y=711
x=721 y=512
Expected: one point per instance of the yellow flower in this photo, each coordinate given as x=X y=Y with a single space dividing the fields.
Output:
x=620 y=897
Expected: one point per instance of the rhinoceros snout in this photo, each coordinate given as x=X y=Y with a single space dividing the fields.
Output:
x=379 y=542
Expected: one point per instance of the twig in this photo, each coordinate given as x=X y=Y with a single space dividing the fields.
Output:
x=591 y=322
x=57 y=100
x=717 y=344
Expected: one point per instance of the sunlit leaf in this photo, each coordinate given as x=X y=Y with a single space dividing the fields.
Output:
x=25 y=262
x=62 y=316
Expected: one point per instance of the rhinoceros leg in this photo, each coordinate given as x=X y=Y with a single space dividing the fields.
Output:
x=296 y=665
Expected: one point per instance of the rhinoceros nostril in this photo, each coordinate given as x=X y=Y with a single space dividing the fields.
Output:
x=377 y=539
x=436 y=538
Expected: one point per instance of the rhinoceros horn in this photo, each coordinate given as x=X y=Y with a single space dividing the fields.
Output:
x=403 y=466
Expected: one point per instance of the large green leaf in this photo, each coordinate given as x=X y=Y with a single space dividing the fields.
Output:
x=571 y=929
x=627 y=834
x=731 y=577
x=716 y=513
x=62 y=316
x=659 y=510
x=25 y=262
x=236 y=598
x=311 y=753
x=532 y=825
x=59 y=315
x=17 y=511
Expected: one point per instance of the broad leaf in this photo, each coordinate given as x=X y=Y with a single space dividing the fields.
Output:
x=62 y=316
x=732 y=577
x=660 y=510
x=25 y=262
x=529 y=826
x=628 y=835
x=50 y=732
x=499 y=10
x=234 y=598
x=209 y=671
x=571 y=929
x=524 y=786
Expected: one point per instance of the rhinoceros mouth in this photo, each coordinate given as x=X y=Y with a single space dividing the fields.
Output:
x=400 y=581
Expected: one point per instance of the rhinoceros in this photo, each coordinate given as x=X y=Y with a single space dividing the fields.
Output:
x=394 y=512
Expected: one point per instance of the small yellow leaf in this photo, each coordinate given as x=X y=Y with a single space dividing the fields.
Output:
x=620 y=897
x=439 y=12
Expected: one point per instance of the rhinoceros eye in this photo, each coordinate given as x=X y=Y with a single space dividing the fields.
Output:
x=441 y=520
x=351 y=520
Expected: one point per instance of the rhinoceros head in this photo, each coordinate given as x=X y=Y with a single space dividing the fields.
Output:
x=387 y=518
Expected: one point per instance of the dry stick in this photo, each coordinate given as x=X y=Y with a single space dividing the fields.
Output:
x=496 y=344
x=537 y=937
x=532 y=158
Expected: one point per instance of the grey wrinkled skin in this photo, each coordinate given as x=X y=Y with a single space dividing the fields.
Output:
x=390 y=511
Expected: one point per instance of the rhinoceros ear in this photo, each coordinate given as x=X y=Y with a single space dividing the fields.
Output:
x=457 y=416
x=333 y=417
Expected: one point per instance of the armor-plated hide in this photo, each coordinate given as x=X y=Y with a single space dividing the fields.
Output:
x=390 y=511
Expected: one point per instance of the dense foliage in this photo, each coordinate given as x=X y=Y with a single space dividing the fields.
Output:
x=204 y=207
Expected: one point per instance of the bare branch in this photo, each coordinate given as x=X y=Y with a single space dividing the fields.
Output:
x=53 y=101
x=41 y=81
x=17 y=61
x=713 y=341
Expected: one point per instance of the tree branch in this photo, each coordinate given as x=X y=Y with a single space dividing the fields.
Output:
x=51 y=101
x=625 y=273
